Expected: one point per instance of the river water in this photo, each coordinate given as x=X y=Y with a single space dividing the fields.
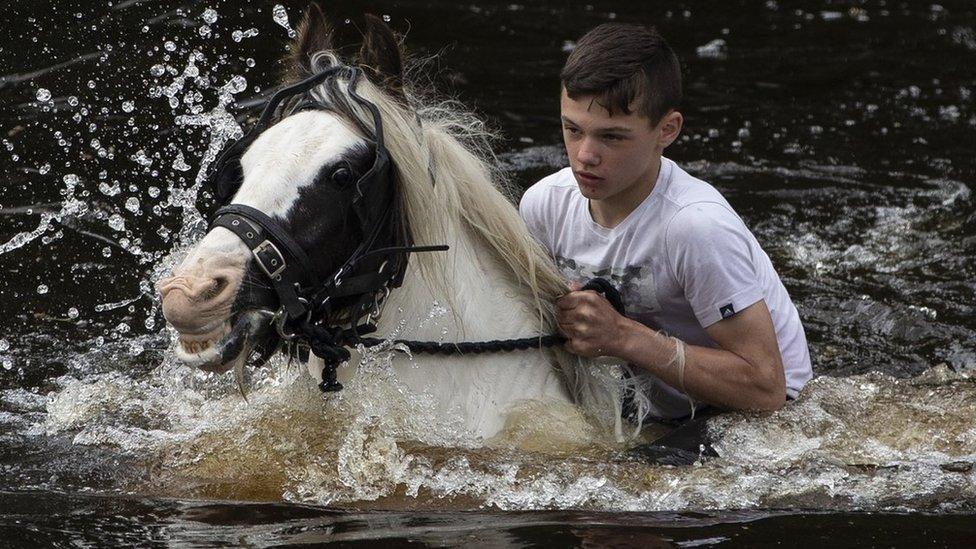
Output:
x=842 y=132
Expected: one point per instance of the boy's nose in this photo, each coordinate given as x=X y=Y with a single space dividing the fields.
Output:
x=587 y=154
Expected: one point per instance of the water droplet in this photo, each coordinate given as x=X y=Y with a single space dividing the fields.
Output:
x=157 y=70
x=73 y=101
x=109 y=190
x=153 y=192
x=180 y=163
x=236 y=84
x=169 y=46
x=43 y=95
x=210 y=16
x=128 y=106
x=73 y=313
x=4 y=345
x=239 y=35
x=106 y=252
x=204 y=31
x=116 y=222
x=140 y=158
x=42 y=289
x=8 y=364
x=280 y=16
x=132 y=204
x=43 y=170
x=135 y=348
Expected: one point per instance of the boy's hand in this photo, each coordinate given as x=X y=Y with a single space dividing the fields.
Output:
x=592 y=325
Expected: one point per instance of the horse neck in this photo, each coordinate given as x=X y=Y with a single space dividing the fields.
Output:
x=477 y=299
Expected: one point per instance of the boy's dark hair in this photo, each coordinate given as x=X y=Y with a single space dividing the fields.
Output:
x=622 y=63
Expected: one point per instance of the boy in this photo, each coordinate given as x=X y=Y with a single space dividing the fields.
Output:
x=682 y=259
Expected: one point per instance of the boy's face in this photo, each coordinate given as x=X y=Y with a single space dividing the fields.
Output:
x=612 y=156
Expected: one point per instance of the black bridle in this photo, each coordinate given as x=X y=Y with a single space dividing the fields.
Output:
x=307 y=304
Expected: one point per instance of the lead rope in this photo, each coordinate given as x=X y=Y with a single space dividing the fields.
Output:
x=331 y=345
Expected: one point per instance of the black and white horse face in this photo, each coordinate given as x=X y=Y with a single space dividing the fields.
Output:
x=301 y=172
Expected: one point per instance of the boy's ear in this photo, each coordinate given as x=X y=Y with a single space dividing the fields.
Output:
x=381 y=56
x=671 y=125
x=314 y=34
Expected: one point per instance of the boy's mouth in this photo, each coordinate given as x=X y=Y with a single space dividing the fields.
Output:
x=588 y=177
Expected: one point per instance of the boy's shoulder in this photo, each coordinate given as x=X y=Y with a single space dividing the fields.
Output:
x=686 y=189
x=558 y=187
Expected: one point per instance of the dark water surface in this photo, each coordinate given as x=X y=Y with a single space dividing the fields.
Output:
x=81 y=520
x=843 y=133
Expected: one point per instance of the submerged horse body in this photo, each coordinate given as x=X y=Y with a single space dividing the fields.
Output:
x=304 y=173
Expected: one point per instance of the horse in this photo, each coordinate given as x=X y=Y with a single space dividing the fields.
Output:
x=309 y=175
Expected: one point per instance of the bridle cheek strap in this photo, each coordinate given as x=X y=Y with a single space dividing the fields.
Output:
x=286 y=271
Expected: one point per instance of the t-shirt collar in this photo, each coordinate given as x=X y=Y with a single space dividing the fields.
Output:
x=660 y=185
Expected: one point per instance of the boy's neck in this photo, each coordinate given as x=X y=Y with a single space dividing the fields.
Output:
x=612 y=210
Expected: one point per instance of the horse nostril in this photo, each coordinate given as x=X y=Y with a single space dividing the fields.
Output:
x=220 y=284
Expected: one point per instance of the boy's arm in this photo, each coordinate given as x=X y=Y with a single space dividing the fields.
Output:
x=712 y=258
x=746 y=372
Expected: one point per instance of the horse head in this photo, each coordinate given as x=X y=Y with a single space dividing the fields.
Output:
x=307 y=198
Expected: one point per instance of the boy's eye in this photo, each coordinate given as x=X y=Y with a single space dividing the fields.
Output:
x=612 y=137
x=572 y=130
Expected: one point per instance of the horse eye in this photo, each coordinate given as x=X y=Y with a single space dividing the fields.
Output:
x=342 y=176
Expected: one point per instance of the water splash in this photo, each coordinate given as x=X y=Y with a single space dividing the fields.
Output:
x=117 y=305
x=860 y=443
x=71 y=207
x=223 y=128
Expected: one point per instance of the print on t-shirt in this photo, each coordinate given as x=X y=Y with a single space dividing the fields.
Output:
x=634 y=282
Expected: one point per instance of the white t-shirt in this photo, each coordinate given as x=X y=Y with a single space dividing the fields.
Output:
x=682 y=261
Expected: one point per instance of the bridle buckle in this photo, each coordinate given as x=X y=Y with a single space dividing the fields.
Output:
x=262 y=248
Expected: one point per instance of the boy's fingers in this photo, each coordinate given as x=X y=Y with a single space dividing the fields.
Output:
x=568 y=301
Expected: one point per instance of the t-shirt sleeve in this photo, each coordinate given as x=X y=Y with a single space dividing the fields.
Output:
x=710 y=253
x=532 y=208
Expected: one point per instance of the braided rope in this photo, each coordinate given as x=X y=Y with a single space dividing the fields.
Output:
x=331 y=345
x=471 y=347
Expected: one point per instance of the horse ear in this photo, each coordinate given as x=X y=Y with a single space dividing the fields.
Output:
x=382 y=56
x=313 y=35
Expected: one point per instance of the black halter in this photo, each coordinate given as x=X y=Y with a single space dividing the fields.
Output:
x=364 y=279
